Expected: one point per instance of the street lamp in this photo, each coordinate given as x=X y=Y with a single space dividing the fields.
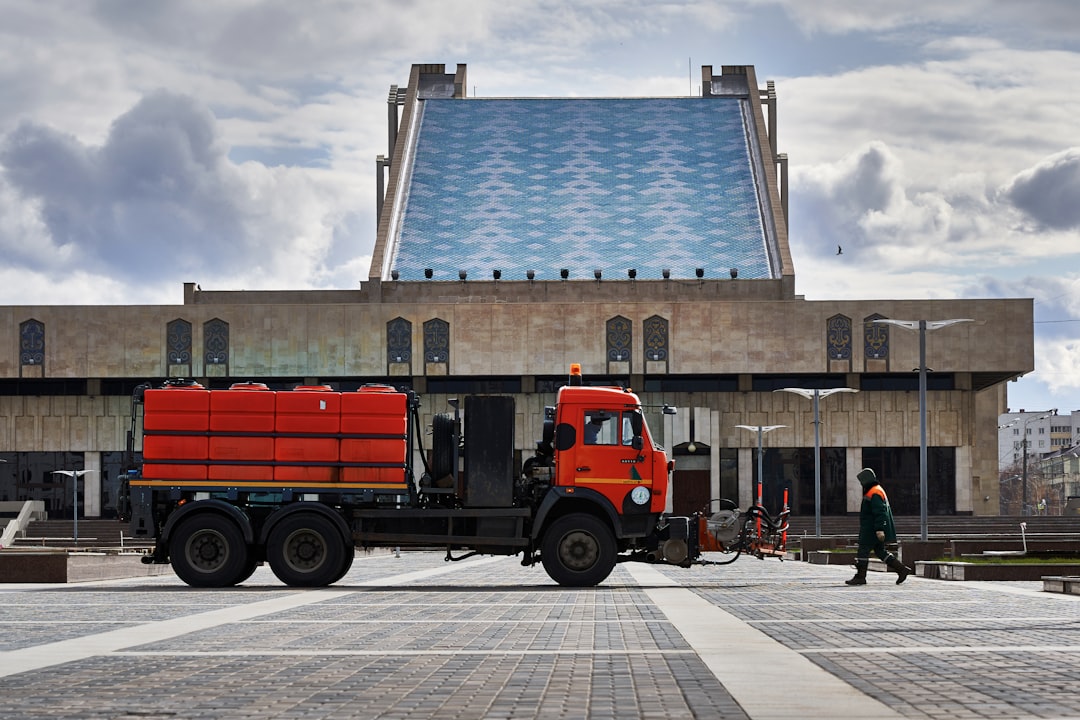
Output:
x=922 y=326
x=1024 y=423
x=761 y=430
x=74 y=475
x=816 y=396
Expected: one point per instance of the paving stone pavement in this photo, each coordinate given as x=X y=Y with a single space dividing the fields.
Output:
x=417 y=637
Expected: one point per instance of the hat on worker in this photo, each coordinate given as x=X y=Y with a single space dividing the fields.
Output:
x=867 y=477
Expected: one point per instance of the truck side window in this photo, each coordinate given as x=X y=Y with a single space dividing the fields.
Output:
x=599 y=428
x=627 y=430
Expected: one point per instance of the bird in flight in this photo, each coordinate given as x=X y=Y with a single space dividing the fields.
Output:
x=839 y=250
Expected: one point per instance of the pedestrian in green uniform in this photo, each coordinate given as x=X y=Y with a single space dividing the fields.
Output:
x=875 y=529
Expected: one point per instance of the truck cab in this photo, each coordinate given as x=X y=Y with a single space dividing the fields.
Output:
x=602 y=443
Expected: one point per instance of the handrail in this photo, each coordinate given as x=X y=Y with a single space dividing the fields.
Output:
x=31 y=510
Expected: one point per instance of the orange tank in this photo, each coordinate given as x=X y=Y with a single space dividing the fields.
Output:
x=243 y=408
x=176 y=408
x=314 y=413
x=373 y=433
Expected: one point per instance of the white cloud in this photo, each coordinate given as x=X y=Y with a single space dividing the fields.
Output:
x=1058 y=364
x=1054 y=18
x=1048 y=192
x=160 y=203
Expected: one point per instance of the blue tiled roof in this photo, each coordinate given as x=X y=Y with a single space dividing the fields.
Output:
x=612 y=184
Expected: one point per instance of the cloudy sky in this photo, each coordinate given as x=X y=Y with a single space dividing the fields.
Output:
x=232 y=142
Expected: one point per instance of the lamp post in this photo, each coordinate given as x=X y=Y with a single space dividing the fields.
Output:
x=922 y=326
x=816 y=396
x=1023 y=439
x=761 y=430
x=74 y=475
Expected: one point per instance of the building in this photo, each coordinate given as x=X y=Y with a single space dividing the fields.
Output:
x=1046 y=433
x=645 y=238
x=1038 y=461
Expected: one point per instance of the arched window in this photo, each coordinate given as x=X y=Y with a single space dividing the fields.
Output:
x=398 y=341
x=655 y=332
x=436 y=341
x=178 y=343
x=32 y=343
x=875 y=343
x=620 y=335
x=216 y=343
x=838 y=343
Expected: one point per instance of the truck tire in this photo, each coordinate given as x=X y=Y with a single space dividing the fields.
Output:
x=306 y=550
x=252 y=566
x=346 y=564
x=442 y=446
x=578 y=550
x=208 y=550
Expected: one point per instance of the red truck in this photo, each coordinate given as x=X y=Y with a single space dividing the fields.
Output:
x=233 y=478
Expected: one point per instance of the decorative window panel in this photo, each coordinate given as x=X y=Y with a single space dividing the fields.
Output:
x=178 y=342
x=216 y=342
x=655 y=330
x=437 y=341
x=399 y=341
x=839 y=337
x=620 y=334
x=875 y=338
x=32 y=343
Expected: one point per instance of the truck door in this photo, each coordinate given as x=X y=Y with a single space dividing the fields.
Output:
x=608 y=459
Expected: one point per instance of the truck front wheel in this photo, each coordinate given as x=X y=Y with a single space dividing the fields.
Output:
x=578 y=550
x=306 y=550
x=208 y=550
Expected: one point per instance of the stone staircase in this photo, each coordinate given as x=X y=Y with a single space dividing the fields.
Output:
x=947 y=526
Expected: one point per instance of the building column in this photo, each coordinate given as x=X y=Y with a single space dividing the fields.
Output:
x=90 y=502
x=747 y=487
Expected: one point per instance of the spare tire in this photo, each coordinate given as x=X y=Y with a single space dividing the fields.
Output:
x=442 y=447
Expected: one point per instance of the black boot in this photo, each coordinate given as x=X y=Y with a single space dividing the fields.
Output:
x=860 y=572
x=898 y=567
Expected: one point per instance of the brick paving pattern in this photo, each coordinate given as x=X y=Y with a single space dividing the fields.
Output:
x=415 y=637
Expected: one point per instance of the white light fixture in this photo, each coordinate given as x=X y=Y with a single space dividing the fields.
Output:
x=760 y=430
x=816 y=395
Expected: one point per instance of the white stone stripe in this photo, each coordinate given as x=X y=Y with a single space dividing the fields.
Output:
x=389 y=653
x=57 y=653
x=924 y=649
x=874 y=603
x=917 y=621
x=383 y=621
x=769 y=681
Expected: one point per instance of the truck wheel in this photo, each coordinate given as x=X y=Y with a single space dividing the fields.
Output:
x=209 y=551
x=578 y=550
x=442 y=446
x=306 y=550
x=252 y=565
x=346 y=564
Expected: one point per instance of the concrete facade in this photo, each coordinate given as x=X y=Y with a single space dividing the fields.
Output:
x=745 y=340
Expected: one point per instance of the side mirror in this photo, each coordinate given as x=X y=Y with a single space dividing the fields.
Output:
x=636 y=423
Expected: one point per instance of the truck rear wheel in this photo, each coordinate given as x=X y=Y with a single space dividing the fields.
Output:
x=306 y=550
x=578 y=550
x=346 y=563
x=209 y=551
